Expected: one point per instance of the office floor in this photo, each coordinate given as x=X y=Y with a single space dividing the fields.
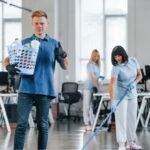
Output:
x=71 y=136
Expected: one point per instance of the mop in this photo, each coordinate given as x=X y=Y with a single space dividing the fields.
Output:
x=98 y=129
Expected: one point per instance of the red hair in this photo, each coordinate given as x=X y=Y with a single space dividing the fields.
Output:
x=39 y=13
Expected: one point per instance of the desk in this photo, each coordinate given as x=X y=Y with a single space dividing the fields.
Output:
x=3 y=108
x=31 y=123
x=145 y=95
x=104 y=96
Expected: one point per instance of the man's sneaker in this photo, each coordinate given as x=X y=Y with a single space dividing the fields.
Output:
x=133 y=146
x=122 y=147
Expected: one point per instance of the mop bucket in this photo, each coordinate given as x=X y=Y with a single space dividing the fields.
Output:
x=24 y=56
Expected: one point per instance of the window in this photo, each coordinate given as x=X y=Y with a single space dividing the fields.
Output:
x=16 y=26
x=115 y=35
x=103 y=26
x=10 y=26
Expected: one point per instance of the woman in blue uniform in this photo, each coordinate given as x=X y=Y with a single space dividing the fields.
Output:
x=93 y=73
x=125 y=75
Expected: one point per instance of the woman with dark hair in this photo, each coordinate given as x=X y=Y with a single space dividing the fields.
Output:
x=125 y=75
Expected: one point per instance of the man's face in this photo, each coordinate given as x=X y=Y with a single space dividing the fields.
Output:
x=39 y=25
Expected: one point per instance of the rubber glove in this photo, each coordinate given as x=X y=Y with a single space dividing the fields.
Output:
x=113 y=105
x=12 y=70
x=60 y=52
x=94 y=89
x=132 y=86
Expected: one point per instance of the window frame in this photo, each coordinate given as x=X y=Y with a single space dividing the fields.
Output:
x=107 y=16
x=4 y=21
x=104 y=58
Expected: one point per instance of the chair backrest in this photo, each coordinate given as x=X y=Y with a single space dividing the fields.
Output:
x=7 y=80
x=69 y=87
x=70 y=92
x=3 y=78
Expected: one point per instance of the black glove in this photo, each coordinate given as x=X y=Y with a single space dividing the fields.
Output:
x=64 y=54
x=60 y=52
x=94 y=89
x=12 y=70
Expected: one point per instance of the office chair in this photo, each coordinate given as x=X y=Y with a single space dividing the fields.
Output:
x=11 y=82
x=69 y=95
x=9 y=106
x=4 y=89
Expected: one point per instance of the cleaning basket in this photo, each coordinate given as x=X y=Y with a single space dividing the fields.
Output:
x=24 y=56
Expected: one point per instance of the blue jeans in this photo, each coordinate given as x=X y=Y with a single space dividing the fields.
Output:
x=25 y=102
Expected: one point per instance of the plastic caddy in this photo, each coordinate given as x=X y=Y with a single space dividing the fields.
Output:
x=24 y=56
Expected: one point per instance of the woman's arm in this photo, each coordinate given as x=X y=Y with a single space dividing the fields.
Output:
x=6 y=61
x=94 y=80
x=139 y=76
x=112 y=86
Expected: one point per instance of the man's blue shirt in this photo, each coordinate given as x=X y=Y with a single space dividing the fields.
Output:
x=42 y=81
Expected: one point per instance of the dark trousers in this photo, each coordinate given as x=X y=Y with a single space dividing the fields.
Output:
x=25 y=102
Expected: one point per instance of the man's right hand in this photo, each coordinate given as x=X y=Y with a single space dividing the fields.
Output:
x=11 y=69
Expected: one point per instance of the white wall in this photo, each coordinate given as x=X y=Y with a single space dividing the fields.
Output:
x=139 y=30
x=66 y=27
x=46 y=5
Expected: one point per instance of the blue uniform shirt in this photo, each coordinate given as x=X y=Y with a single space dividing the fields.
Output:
x=91 y=67
x=125 y=74
x=42 y=81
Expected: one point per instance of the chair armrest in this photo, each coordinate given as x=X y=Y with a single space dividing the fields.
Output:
x=79 y=95
x=60 y=97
